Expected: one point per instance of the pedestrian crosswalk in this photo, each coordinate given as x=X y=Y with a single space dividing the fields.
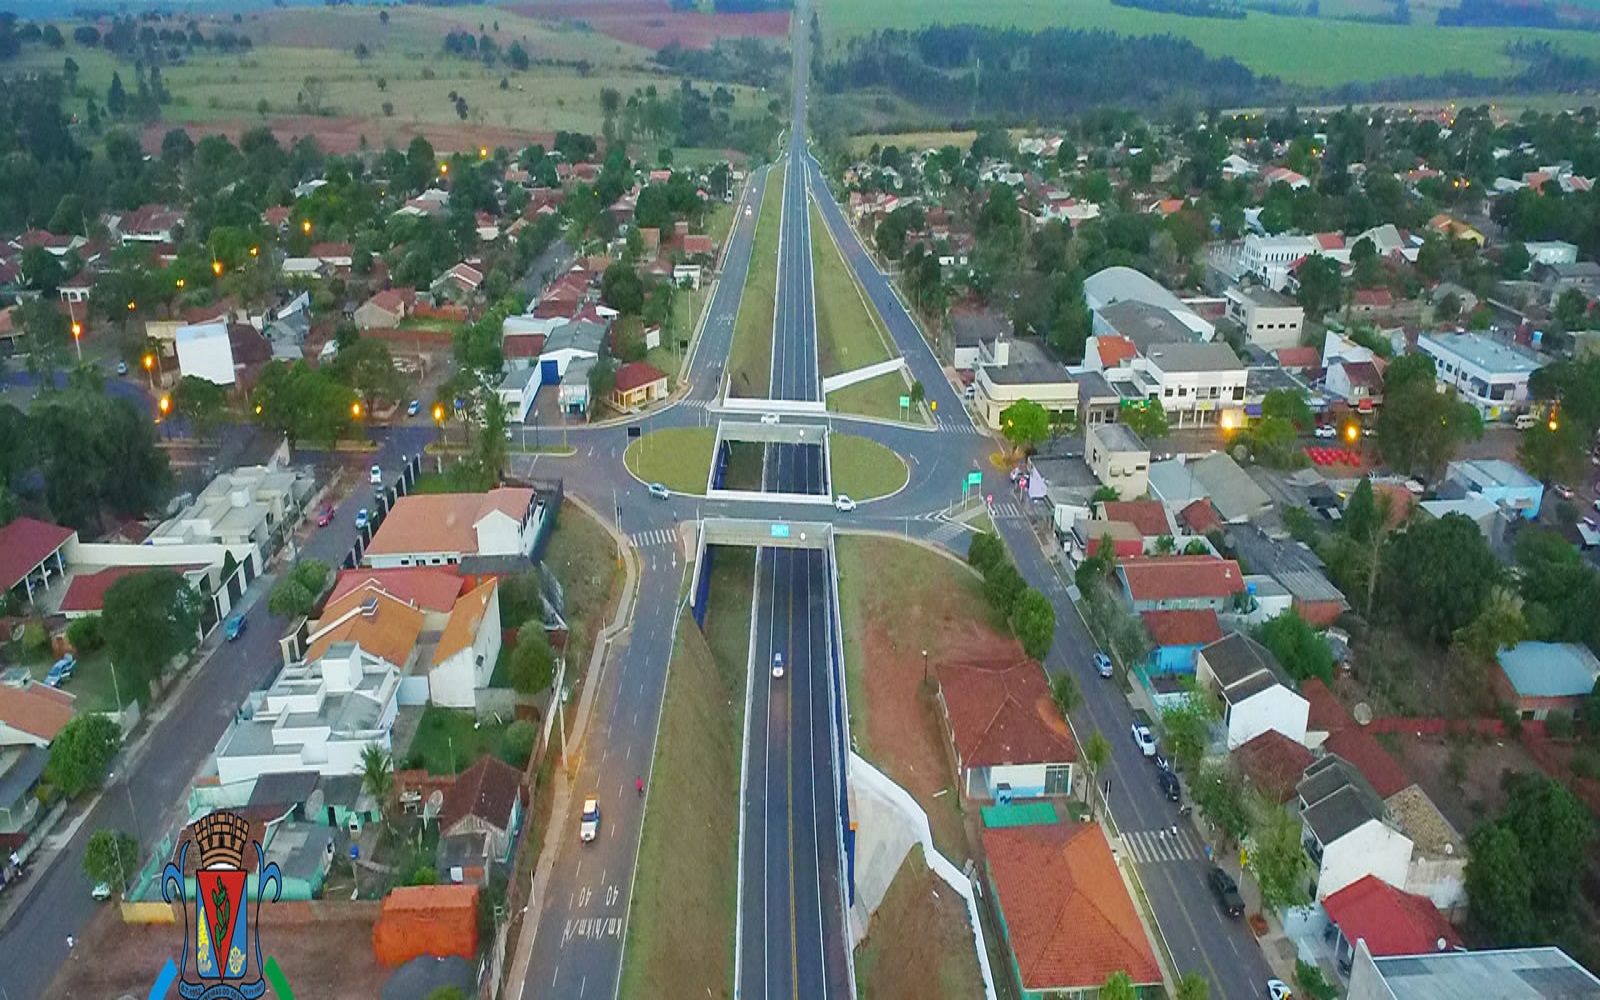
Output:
x=1149 y=847
x=1005 y=510
x=945 y=532
x=659 y=536
x=958 y=427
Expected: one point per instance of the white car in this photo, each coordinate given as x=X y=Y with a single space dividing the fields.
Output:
x=747 y=212
x=363 y=518
x=1326 y=432
x=769 y=419
x=376 y=475
x=589 y=822
x=101 y=891
x=658 y=491
x=1277 y=989
x=844 y=503
x=414 y=407
x=1144 y=740
x=1102 y=665
x=777 y=664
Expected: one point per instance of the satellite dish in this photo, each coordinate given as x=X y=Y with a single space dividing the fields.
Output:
x=1441 y=944
x=1362 y=713
x=430 y=809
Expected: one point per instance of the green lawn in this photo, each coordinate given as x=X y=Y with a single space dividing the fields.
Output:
x=681 y=925
x=848 y=333
x=92 y=683
x=1317 y=52
x=677 y=457
x=583 y=556
x=876 y=397
x=447 y=742
x=863 y=469
x=744 y=465
x=750 y=358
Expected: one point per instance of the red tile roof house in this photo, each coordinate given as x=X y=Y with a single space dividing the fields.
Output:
x=1176 y=583
x=1064 y=910
x=1390 y=920
x=31 y=714
x=1149 y=516
x=638 y=383
x=479 y=821
x=1007 y=732
x=30 y=555
x=385 y=309
x=1178 y=636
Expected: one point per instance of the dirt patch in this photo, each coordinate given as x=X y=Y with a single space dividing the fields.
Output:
x=112 y=959
x=898 y=600
x=919 y=945
x=1462 y=775
x=343 y=135
x=653 y=24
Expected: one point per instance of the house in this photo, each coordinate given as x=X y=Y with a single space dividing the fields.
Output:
x=385 y=309
x=433 y=591
x=444 y=528
x=1104 y=352
x=433 y=920
x=1010 y=739
x=1358 y=383
x=1511 y=974
x=30 y=555
x=698 y=246
x=31 y=715
x=517 y=390
x=1147 y=516
x=638 y=383
x=1065 y=912
x=1540 y=678
x=1009 y=370
x=1370 y=300
x=1174 y=583
x=206 y=351
x=485 y=801
x=1346 y=829
x=1270 y=320
x=1488 y=374
x=1270 y=259
x=467 y=650
x=1111 y=285
x=971 y=329
x=1283 y=175
x=686 y=275
x=288 y=328
x=1118 y=458
x=384 y=626
x=1454 y=229
x=1217 y=478
x=1501 y=483
x=1388 y=921
x=458 y=283
x=146 y=224
x=1551 y=252
x=10 y=330
x=1272 y=764
x=253 y=505
x=1178 y=637
x=1257 y=694
x=1234 y=165
x=1087 y=536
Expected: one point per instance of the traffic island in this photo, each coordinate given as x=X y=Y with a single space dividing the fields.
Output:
x=678 y=458
x=864 y=469
x=681 y=925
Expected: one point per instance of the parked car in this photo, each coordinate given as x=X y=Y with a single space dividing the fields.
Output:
x=233 y=628
x=777 y=664
x=589 y=822
x=122 y=368
x=1564 y=492
x=658 y=491
x=1227 y=892
x=414 y=407
x=363 y=518
x=61 y=671
x=1170 y=786
x=844 y=503
x=1144 y=739
x=1102 y=665
x=1326 y=431
x=324 y=515
x=1277 y=989
x=376 y=475
x=101 y=892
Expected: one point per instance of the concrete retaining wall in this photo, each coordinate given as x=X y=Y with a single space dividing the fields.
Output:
x=843 y=379
x=756 y=496
x=888 y=822
x=738 y=404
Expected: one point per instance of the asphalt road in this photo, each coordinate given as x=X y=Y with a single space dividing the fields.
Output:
x=148 y=800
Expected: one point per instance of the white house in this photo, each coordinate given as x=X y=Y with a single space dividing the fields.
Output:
x=1118 y=459
x=1488 y=374
x=1551 y=252
x=441 y=529
x=205 y=351
x=465 y=656
x=1010 y=741
x=1269 y=258
x=1347 y=833
x=252 y=505
x=1256 y=694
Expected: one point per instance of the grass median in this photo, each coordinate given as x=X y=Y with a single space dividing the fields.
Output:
x=679 y=458
x=685 y=897
x=879 y=397
x=863 y=469
x=849 y=335
x=750 y=358
x=919 y=945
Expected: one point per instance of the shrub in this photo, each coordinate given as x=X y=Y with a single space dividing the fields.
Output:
x=84 y=634
x=1002 y=586
x=516 y=746
x=35 y=638
x=984 y=552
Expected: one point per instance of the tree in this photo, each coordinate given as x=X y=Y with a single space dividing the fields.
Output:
x=516 y=746
x=443 y=992
x=985 y=551
x=1219 y=793
x=1552 y=454
x=1192 y=986
x=1499 y=625
x=41 y=270
x=377 y=778
x=1146 y=419
x=81 y=752
x=918 y=393
x=111 y=857
x=1188 y=726
x=84 y=634
x=1514 y=260
x=201 y=402
x=1319 y=285
x=1436 y=576
x=367 y=367
x=622 y=289
x=1298 y=647
x=315 y=92
x=533 y=663
x=1420 y=428
x=1096 y=752
x=149 y=619
x=295 y=595
x=303 y=403
x=1002 y=585
x=1277 y=858
x=1034 y=621
x=1310 y=976
x=97 y=452
x=116 y=96
x=1024 y=423
x=1289 y=405
x=1572 y=310
x=46 y=332
x=1064 y=692
x=1118 y=986
x=1499 y=885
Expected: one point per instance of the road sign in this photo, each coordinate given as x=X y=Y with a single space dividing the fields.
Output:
x=780 y=531
x=975 y=479
x=633 y=431
x=905 y=402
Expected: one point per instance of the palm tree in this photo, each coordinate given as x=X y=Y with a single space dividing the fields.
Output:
x=377 y=777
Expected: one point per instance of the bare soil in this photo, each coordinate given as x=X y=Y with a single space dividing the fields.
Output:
x=919 y=945
x=1477 y=796
x=653 y=24
x=328 y=959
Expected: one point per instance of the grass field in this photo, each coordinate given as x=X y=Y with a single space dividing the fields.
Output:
x=876 y=397
x=681 y=927
x=92 y=683
x=1317 y=52
x=744 y=465
x=863 y=468
x=848 y=333
x=919 y=945
x=448 y=742
x=750 y=357
x=679 y=458
x=583 y=556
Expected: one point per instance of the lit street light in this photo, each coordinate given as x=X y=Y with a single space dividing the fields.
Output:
x=149 y=365
x=77 y=341
x=305 y=227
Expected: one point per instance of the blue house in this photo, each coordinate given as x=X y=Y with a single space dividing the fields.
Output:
x=1502 y=483
x=1178 y=636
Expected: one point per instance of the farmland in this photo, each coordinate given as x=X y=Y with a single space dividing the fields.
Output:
x=1317 y=52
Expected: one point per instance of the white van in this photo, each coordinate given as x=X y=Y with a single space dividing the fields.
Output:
x=1525 y=421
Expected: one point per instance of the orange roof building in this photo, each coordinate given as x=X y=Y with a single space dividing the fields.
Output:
x=436 y=920
x=427 y=589
x=1065 y=911
x=379 y=623
x=1171 y=583
x=443 y=528
x=465 y=655
x=1007 y=730
x=31 y=713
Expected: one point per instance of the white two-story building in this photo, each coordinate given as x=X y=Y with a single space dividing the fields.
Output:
x=1488 y=374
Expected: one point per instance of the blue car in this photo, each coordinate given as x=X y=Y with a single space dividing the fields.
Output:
x=233 y=627
x=61 y=671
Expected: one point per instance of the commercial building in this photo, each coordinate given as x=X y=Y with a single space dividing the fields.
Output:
x=1111 y=285
x=1009 y=370
x=1488 y=374
x=1270 y=320
x=1499 y=482
x=1198 y=384
x=1118 y=459
x=1513 y=974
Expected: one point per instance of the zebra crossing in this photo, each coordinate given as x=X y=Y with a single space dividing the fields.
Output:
x=945 y=532
x=1149 y=847
x=659 y=536
x=1005 y=510
x=958 y=427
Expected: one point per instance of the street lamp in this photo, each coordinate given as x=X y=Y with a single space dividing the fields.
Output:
x=255 y=251
x=924 y=666
x=444 y=170
x=77 y=341
x=305 y=227
x=1351 y=432
x=179 y=283
x=483 y=152
x=149 y=367
x=216 y=268
x=355 y=409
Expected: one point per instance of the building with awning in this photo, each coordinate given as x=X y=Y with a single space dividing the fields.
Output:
x=30 y=554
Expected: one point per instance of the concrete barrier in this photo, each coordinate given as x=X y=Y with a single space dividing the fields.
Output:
x=798 y=407
x=863 y=374
x=756 y=496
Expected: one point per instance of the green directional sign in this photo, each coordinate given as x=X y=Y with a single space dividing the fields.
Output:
x=905 y=402
x=975 y=479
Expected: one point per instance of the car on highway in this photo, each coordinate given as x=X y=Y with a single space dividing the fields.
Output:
x=1170 y=786
x=325 y=515
x=1227 y=892
x=844 y=503
x=589 y=821
x=363 y=518
x=1102 y=665
x=747 y=212
x=414 y=407
x=777 y=664
x=769 y=419
x=376 y=475
x=1277 y=989
x=101 y=891
x=234 y=627
x=1326 y=432
x=659 y=491
x=1144 y=739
